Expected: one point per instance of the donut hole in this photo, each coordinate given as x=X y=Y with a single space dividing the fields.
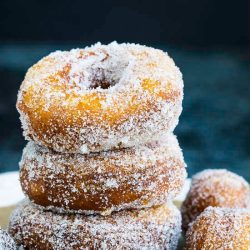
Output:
x=108 y=70
x=103 y=84
x=99 y=79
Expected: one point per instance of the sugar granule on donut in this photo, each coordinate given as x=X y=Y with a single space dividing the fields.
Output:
x=153 y=228
x=216 y=188
x=220 y=228
x=6 y=241
x=137 y=177
x=100 y=98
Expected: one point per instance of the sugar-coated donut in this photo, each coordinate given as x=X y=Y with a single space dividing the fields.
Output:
x=100 y=98
x=152 y=228
x=103 y=182
x=216 y=188
x=220 y=228
x=6 y=241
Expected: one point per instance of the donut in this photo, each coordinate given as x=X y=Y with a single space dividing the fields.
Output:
x=6 y=241
x=153 y=228
x=220 y=228
x=100 y=98
x=216 y=188
x=103 y=182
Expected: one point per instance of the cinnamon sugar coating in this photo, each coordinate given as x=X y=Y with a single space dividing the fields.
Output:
x=220 y=228
x=100 y=98
x=103 y=182
x=153 y=228
x=216 y=188
x=6 y=241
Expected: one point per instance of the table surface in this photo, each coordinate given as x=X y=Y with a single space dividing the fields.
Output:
x=214 y=129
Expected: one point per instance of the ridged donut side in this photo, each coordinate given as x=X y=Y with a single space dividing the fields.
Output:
x=103 y=182
x=100 y=98
x=153 y=228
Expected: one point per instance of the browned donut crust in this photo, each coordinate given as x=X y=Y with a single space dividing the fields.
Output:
x=216 y=188
x=100 y=98
x=103 y=182
x=153 y=228
x=6 y=241
x=220 y=228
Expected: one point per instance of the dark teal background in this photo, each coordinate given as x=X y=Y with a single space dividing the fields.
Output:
x=214 y=129
x=177 y=22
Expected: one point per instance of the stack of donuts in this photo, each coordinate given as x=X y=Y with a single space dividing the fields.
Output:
x=102 y=165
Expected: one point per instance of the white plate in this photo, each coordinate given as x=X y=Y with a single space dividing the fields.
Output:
x=10 y=189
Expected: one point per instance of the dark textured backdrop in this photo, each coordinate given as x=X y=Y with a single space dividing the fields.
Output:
x=182 y=22
x=208 y=39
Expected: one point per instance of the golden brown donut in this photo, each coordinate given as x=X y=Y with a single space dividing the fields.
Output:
x=6 y=241
x=220 y=228
x=153 y=228
x=103 y=182
x=100 y=98
x=216 y=188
